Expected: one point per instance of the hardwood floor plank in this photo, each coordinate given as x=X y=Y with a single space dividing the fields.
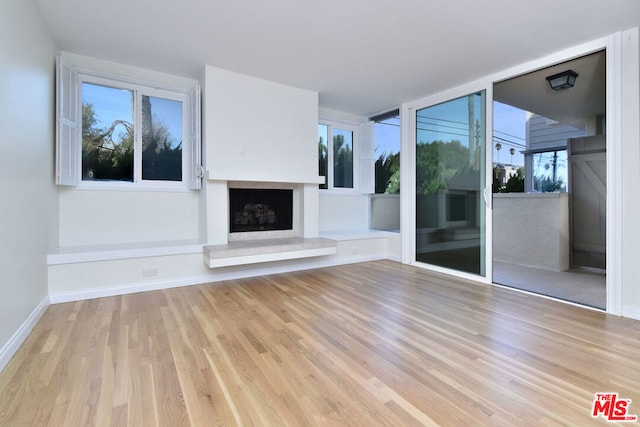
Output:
x=371 y=344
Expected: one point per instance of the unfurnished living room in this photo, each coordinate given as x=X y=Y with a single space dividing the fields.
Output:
x=281 y=213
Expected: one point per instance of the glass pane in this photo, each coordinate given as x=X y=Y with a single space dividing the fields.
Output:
x=387 y=138
x=450 y=179
x=107 y=133
x=550 y=172
x=161 y=139
x=342 y=158
x=323 y=138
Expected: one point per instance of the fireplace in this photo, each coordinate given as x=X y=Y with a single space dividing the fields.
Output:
x=260 y=209
x=263 y=210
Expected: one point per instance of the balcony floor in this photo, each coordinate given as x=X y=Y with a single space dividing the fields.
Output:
x=576 y=285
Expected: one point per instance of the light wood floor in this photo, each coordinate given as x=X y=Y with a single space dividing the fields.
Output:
x=369 y=344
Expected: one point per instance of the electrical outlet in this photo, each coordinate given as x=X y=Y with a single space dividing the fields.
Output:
x=149 y=272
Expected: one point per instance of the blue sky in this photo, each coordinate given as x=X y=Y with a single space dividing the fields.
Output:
x=387 y=137
x=112 y=104
x=509 y=129
x=449 y=120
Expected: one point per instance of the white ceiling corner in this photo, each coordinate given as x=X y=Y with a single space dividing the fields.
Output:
x=361 y=56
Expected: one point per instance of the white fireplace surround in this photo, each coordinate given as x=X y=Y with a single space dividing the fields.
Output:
x=275 y=245
x=296 y=229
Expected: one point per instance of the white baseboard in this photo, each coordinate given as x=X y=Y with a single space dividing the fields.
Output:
x=394 y=258
x=11 y=347
x=631 y=313
x=124 y=289
x=218 y=276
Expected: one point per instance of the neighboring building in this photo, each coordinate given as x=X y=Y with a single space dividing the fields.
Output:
x=545 y=158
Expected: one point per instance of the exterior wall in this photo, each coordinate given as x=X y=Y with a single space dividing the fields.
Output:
x=28 y=217
x=343 y=212
x=385 y=212
x=544 y=134
x=532 y=229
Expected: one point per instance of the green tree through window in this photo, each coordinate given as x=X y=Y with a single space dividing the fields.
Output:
x=108 y=136
x=107 y=151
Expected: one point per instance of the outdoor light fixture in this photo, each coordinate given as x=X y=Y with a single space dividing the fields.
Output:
x=563 y=80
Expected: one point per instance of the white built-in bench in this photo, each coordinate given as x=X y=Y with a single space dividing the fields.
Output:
x=265 y=250
x=94 y=253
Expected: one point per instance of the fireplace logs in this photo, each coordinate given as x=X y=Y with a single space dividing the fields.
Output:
x=259 y=214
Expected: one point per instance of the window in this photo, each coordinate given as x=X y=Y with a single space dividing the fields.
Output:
x=335 y=155
x=550 y=171
x=121 y=133
x=387 y=149
x=385 y=203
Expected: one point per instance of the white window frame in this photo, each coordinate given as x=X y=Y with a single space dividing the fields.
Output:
x=69 y=130
x=330 y=165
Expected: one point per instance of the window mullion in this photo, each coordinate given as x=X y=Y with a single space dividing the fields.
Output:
x=330 y=167
x=137 y=137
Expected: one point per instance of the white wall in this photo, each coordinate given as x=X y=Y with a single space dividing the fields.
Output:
x=95 y=217
x=343 y=211
x=29 y=207
x=628 y=219
x=93 y=279
x=99 y=217
x=276 y=126
x=257 y=130
x=346 y=209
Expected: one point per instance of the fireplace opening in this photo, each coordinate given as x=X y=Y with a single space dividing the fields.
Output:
x=260 y=209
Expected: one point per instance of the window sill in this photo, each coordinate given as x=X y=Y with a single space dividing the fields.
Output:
x=129 y=187
x=342 y=235
x=340 y=192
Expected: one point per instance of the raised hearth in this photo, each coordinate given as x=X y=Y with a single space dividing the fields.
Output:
x=266 y=250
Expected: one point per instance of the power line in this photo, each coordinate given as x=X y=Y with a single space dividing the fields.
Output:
x=509 y=142
x=443 y=132
x=388 y=124
x=464 y=128
x=441 y=129
x=508 y=134
x=443 y=120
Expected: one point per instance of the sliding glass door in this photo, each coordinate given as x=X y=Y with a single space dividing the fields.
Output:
x=450 y=184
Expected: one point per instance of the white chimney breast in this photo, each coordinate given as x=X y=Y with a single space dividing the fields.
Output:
x=258 y=130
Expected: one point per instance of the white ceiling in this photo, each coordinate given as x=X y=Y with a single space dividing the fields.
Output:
x=574 y=106
x=362 y=56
